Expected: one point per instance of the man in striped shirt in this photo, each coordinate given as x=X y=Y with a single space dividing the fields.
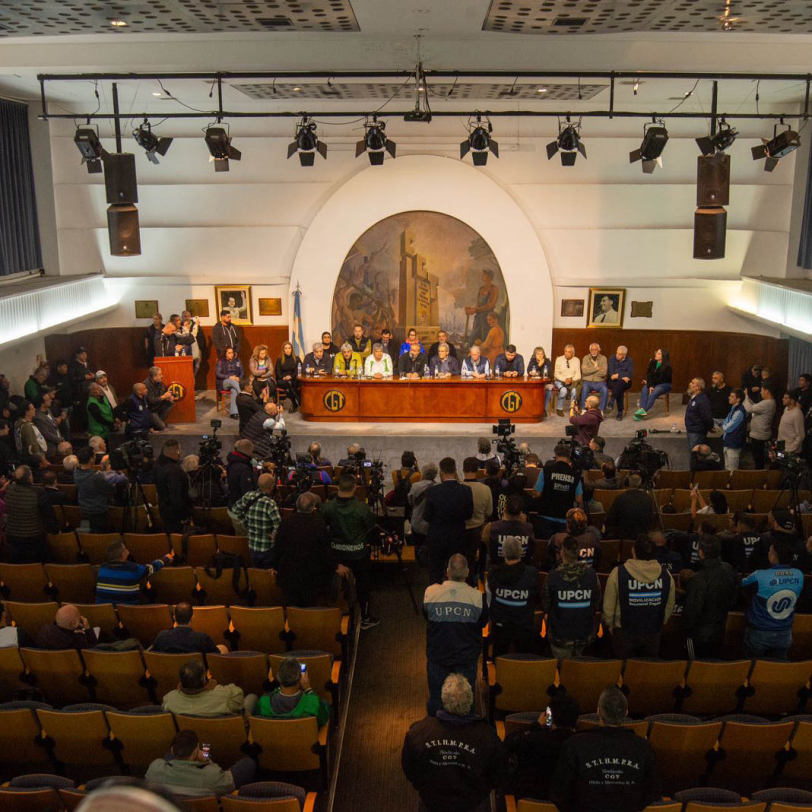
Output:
x=260 y=515
x=119 y=579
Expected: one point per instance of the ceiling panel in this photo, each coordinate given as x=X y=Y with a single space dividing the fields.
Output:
x=437 y=92
x=27 y=18
x=666 y=16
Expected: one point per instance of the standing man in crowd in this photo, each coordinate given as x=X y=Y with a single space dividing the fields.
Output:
x=698 y=418
x=449 y=506
x=594 y=369
x=454 y=759
x=608 y=768
x=638 y=601
x=150 y=334
x=558 y=487
x=360 y=343
x=791 y=426
x=511 y=525
x=719 y=397
x=225 y=335
x=761 y=424
x=734 y=429
x=442 y=338
x=172 y=485
x=159 y=399
x=457 y=614
x=632 y=512
x=242 y=476
x=387 y=341
x=350 y=522
x=190 y=327
x=566 y=378
x=620 y=371
x=259 y=514
x=101 y=420
x=93 y=491
x=483 y=508
x=48 y=425
x=29 y=516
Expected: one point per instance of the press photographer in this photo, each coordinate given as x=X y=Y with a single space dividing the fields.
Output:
x=558 y=489
x=588 y=422
x=259 y=429
x=172 y=485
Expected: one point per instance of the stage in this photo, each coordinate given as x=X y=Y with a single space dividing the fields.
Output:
x=431 y=441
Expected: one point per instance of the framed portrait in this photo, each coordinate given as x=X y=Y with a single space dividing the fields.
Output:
x=237 y=299
x=198 y=307
x=606 y=307
x=270 y=307
x=572 y=307
x=145 y=309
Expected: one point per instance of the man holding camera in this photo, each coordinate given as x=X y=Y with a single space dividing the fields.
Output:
x=350 y=521
x=558 y=488
x=159 y=399
x=261 y=426
x=588 y=422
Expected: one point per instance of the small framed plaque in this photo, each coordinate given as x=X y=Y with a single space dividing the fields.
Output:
x=270 y=307
x=198 y=307
x=572 y=308
x=145 y=309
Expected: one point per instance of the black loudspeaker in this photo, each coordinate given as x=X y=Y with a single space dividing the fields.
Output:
x=122 y=228
x=713 y=180
x=119 y=178
x=710 y=227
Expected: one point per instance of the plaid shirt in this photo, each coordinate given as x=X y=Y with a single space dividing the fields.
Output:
x=259 y=513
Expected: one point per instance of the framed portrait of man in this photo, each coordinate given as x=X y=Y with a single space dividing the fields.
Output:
x=237 y=300
x=606 y=307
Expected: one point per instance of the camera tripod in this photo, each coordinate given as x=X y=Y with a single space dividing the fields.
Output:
x=791 y=484
x=136 y=498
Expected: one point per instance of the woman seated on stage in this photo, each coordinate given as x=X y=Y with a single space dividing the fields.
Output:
x=347 y=363
x=287 y=375
x=411 y=338
x=228 y=373
x=657 y=382
x=541 y=367
x=260 y=366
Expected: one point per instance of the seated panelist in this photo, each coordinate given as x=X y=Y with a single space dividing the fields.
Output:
x=379 y=364
x=442 y=338
x=413 y=363
x=411 y=341
x=475 y=365
x=509 y=363
x=444 y=365
x=317 y=362
x=347 y=363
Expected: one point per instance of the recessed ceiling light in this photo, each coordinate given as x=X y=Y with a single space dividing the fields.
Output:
x=297 y=89
x=542 y=90
x=119 y=23
x=157 y=93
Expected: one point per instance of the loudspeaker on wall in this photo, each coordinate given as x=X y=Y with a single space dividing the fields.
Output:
x=122 y=228
x=710 y=228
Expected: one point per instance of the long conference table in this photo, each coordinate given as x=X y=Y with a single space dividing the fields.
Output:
x=450 y=400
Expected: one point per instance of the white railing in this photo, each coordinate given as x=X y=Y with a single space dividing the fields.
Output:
x=25 y=314
x=774 y=303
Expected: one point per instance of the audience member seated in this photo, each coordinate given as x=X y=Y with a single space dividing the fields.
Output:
x=346 y=363
x=509 y=363
x=443 y=364
x=594 y=369
x=101 y=421
x=183 y=639
x=669 y=558
x=558 y=488
x=512 y=589
x=535 y=750
x=69 y=630
x=63 y=450
x=454 y=759
x=241 y=473
x=119 y=578
x=775 y=592
x=586 y=538
x=511 y=525
x=27 y=436
x=704 y=459
x=610 y=480
x=35 y=386
x=583 y=780
x=314 y=449
x=632 y=512
x=716 y=504
x=187 y=770
x=260 y=368
x=93 y=492
x=620 y=375
x=475 y=365
x=39 y=465
x=48 y=425
x=411 y=341
x=137 y=412
x=657 y=382
x=318 y=362
x=412 y=364
x=294 y=698
x=258 y=513
x=597 y=444
x=638 y=601
x=738 y=548
x=249 y=402
x=107 y=388
x=51 y=491
x=379 y=364
x=159 y=399
x=228 y=374
x=709 y=595
x=287 y=370
x=304 y=559
x=99 y=446
x=199 y=695
x=456 y=614
x=570 y=597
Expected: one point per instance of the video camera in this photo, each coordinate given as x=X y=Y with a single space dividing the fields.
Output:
x=506 y=445
x=210 y=447
x=132 y=455
x=581 y=456
x=640 y=456
x=792 y=464
x=279 y=453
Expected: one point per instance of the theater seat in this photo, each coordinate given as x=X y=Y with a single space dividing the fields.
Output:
x=165 y=670
x=41 y=799
x=118 y=677
x=742 y=478
x=31 y=617
x=673 y=479
x=584 y=679
x=263 y=582
x=290 y=745
x=277 y=792
x=681 y=751
x=207 y=803
x=318 y=629
x=259 y=629
x=743 y=806
x=21 y=744
x=72 y=583
x=144 y=622
x=80 y=739
x=212 y=620
x=589 y=721
x=520 y=682
x=248 y=669
x=801 y=635
x=712 y=688
x=739 y=499
x=779 y=688
x=653 y=686
x=716 y=480
x=62 y=548
x=173 y=585
x=146 y=547
x=225 y=733
x=784 y=797
x=24 y=582
x=798 y=767
x=12 y=669
x=234 y=545
x=200 y=549
x=94 y=546
x=143 y=737
x=58 y=674
x=220 y=591
x=101 y=615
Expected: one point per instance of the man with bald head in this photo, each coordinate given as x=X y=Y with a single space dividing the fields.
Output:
x=69 y=630
x=259 y=514
x=139 y=417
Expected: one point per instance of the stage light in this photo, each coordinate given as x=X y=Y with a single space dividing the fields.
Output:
x=307 y=143
x=219 y=143
x=479 y=143
x=150 y=142
x=724 y=137
x=87 y=140
x=781 y=144
x=568 y=143
x=655 y=137
x=375 y=143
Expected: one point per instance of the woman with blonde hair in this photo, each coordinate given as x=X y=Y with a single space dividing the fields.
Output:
x=540 y=367
x=260 y=370
x=287 y=375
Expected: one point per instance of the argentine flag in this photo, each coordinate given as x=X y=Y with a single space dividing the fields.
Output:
x=298 y=329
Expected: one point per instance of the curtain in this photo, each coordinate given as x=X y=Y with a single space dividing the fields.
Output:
x=19 y=229
x=805 y=243
x=800 y=360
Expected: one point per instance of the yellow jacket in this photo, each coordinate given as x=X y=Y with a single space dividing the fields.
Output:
x=341 y=366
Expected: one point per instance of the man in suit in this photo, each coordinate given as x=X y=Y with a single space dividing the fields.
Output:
x=448 y=506
x=606 y=311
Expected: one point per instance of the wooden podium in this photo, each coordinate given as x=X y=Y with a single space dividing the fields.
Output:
x=179 y=378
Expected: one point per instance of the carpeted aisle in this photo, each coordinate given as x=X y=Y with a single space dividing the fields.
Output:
x=388 y=694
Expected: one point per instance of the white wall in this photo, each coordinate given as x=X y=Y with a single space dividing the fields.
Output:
x=18 y=362
x=600 y=223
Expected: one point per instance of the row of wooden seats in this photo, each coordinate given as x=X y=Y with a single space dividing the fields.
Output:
x=87 y=738
x=735 y=480
x=54 y=793
x=215 y=520
x=741 y=752
x=700 y=687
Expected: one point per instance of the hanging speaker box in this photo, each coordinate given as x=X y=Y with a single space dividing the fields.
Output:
x=713 y=180
x=122 y=228
x=710 y=227
x=119 y=178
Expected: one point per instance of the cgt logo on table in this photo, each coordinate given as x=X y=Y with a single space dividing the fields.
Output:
x=511 y=401
x=178 y=390
x=334 y=400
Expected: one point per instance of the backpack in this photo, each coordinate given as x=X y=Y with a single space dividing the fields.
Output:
x=399 y=497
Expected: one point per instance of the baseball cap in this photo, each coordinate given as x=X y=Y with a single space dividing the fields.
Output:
x=784 y=519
